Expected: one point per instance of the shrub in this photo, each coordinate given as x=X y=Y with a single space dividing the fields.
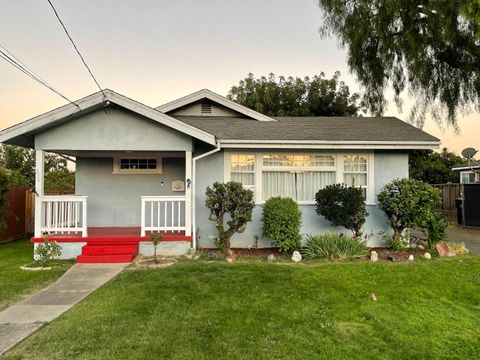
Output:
x=343 y=206
x=435 y=227
x=4 y=187
x=402 y=243
x=332 y=246
x=47 y=250
x=282 y=220
x=156 y=239
x=407 y=203
x=233 y=200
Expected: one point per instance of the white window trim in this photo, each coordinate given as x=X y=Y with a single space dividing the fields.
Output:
x=469 y=172
x=338 y=168
x=118 y=171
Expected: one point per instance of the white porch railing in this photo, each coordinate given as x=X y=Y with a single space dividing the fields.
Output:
x=164 y=213
x=64 y=214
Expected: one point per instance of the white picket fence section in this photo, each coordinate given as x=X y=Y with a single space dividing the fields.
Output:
x=164 y=213
x=64 y=214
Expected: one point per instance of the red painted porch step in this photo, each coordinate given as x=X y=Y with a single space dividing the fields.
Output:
x=103 y=250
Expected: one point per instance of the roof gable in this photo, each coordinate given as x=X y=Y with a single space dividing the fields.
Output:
x=16 y=134
x=215 y=98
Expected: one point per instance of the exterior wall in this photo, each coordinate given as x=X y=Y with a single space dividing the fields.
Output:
x=114 y=199
x=165 y=248
x=70 y=250
x=195 y=110
x=387 y=166
x=116 y=130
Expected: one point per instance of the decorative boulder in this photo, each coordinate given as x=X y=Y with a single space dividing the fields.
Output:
x=271 y=258
x=444 y=250
x=411 y=258
x=296 y=256
x=374 y=256
x=421 y=247
x=230 y=259
x=427 y=256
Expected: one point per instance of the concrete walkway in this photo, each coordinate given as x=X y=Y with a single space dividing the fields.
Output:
x=22 y=319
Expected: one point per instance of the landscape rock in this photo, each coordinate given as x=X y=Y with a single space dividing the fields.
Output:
x=271 y=258
x=296 y=256
x=421 y=247
x=413 y=245
x=427 y=256
x=196 y=257
x=411 y=258
x=374 y=256
x=230 y=259
x=444 y=250
x=189 y=256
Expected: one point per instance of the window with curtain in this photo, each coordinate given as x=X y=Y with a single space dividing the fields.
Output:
x=355 y=171
x=296 y=176
x=242 y=169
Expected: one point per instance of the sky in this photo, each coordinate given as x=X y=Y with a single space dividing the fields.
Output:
x=155 y=51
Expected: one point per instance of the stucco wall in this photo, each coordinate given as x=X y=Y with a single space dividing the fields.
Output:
x=114 y=199
x=118 y=129
x=387 y=166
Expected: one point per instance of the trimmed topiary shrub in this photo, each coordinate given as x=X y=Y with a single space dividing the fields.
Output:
x=332 y=246
x=233 y=200
x=342 y=205
x=282 y=220
x=407 y=203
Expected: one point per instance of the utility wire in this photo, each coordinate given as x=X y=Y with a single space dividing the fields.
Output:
x=76 y=49
x=12 y=60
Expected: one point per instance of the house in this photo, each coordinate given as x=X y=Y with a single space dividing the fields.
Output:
x=469 y=172
x=141 y=169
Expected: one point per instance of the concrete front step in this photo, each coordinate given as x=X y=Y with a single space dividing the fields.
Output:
x=109 y=249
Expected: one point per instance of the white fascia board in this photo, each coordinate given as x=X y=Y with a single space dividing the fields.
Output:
x=205 y=93
x=96 y=99
x=299 y=144
x=473 y=167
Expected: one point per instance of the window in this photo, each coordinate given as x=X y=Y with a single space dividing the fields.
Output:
x=355 y=171
x=137 y=165
x=242 y=169
x=467 y=177
x=296 y=176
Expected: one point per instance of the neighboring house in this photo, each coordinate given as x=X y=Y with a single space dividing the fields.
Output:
x=469 y=172
x=141 y=169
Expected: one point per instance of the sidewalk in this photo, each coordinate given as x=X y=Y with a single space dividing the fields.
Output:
x=22 y=319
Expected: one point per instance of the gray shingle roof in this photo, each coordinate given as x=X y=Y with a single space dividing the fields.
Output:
x=310 y=128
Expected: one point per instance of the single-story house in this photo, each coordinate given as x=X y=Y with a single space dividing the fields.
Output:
x=469 y=172
x=141 y=169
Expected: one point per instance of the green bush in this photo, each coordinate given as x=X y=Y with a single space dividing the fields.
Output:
x=407 y=204
x=343 y=206
x=156 y=239
x=232 y=200
x=332 y=246
x=282 y=220
x=4 y=187
x=47 y=250
x=435 y=227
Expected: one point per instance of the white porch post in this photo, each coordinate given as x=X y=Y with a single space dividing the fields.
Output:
x=39 y=176
x=188 y=193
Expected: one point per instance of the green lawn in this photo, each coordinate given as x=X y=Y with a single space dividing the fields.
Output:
x=257 y=310
x=15 y=283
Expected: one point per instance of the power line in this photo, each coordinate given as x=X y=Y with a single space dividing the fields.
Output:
x=76 y=49
x=12 y=60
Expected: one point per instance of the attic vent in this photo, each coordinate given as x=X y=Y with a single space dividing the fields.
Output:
x=206 y=108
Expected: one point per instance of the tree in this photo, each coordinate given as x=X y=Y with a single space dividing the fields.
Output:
x=430 y=48
x=434 y=168
x=21 y=163
x=232 y=200
x=291 y=96
x=342 y=205
x=407 y=203
x=4 y=187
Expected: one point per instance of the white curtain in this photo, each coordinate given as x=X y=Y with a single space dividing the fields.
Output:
x=355 y=179
x=308 y=183
x=278 y=183
x=298 y=186
x=244 y=178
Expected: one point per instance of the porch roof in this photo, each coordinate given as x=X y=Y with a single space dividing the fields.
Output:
x=23 y=133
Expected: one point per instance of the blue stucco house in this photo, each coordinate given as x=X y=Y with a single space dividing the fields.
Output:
x=141 y=169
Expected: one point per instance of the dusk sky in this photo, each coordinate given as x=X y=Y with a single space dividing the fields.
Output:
x=156 y=51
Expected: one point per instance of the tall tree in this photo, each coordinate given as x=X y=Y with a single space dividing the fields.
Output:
x=434 y=168
x=429 y=48
x=289 y=96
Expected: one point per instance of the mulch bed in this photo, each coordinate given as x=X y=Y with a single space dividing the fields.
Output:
x=385 y=254
x=246 y=251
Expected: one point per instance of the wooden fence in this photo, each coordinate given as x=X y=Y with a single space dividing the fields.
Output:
x=15 y=220
x=449 y=192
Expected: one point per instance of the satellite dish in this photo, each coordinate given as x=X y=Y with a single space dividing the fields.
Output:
x=469 y=153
